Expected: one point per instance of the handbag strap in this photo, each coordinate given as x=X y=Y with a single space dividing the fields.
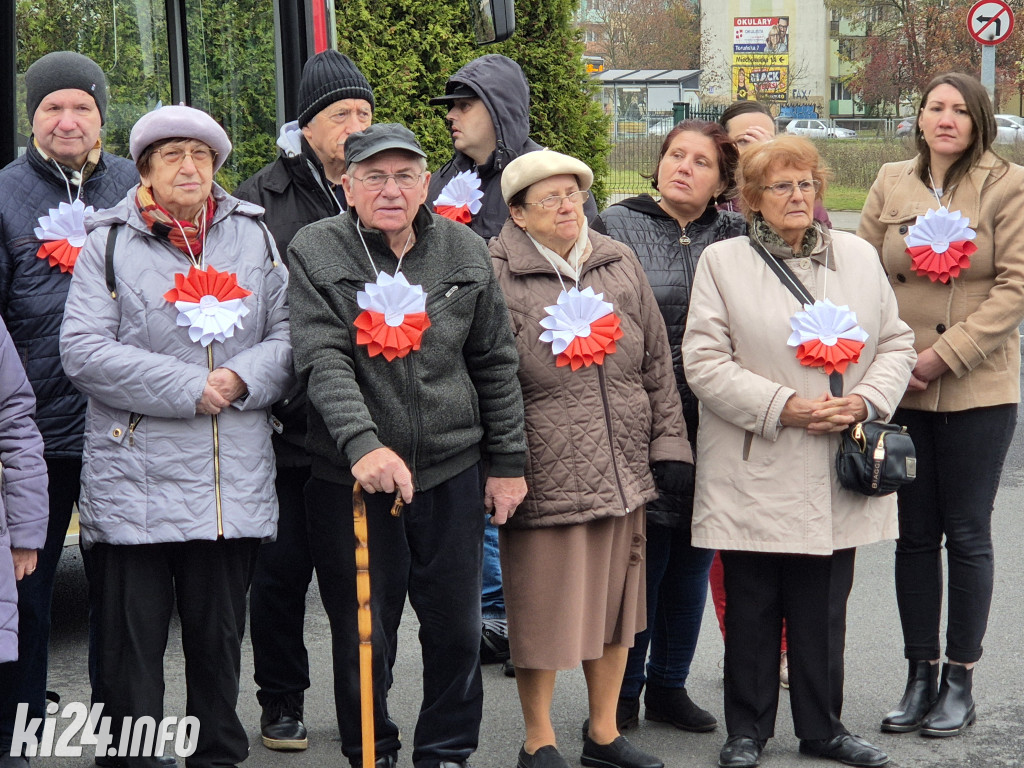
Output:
x=798 y=289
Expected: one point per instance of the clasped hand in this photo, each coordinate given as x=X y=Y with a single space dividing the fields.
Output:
x=824 y=414
x=223 y=387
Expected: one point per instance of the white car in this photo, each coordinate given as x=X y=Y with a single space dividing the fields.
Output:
x=1009 y=129
x=818 y=129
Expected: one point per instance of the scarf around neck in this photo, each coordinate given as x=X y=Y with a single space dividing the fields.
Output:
x=186 y=236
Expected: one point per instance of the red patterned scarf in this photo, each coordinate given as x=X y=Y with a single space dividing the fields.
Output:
x=186 y=236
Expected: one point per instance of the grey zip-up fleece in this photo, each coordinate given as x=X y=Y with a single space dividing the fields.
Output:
x=442 y=406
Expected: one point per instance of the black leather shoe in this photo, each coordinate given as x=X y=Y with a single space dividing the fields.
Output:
x=120 y=762
x=740 y=752
x=386 y=761
x=619 y=754
x=545 y=757
x=494 y=641
x=281 y=725
x=452 y=764
x=508 y=669
x=918 y=698
x=846 y=749
x=954 y=710
x=673 y=706
x=627 y=715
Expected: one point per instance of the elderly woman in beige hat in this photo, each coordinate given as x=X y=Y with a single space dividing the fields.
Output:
x=602 y=417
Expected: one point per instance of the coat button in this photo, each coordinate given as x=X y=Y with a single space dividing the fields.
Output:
x=903 y=229
x=118 y=432
x=805 y=263
x=940 y=328
x=637 y=540
x=892 y=211
x=901 y=278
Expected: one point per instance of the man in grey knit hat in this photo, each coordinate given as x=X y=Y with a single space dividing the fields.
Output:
x=63 y=165
x=301 y=186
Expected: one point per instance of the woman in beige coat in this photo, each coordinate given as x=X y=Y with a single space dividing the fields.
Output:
x=602 y=411
x=949 y=229
x=767 y=494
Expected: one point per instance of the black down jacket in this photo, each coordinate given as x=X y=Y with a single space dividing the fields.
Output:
x=657 y=239
x=32 y=293
x=503 y=88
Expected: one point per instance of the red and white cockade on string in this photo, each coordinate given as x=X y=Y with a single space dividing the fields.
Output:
x=826 y=336
x=581 y=328
x=62 y=231
x=209 y=303
x=939 y=244
x=394 y=316
x=460 y=198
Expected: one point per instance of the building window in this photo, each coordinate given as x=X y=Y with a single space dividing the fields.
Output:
x=840 y=91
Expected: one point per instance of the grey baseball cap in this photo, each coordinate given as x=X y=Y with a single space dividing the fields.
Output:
x=378 y=138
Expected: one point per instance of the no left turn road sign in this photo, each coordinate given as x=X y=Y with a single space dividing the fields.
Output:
x=990 y=22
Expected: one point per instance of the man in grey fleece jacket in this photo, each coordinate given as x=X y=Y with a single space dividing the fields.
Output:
x=413 y=399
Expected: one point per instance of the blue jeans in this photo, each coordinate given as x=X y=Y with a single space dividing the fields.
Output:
x=492 y=598
x=677 y=586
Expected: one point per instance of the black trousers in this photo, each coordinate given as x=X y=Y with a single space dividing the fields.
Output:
x=277 y=601
x=960 y=458
x=810 y=593
x=432 y=553
x=140 y=586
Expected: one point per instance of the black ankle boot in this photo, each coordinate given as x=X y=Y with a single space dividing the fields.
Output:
x=922 y=690
x=954 y=709
x=673 y=705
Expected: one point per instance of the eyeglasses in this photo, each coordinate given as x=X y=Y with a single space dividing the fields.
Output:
x=377 y=181
x=551 y=202
x=785 y=188
x=176 y=155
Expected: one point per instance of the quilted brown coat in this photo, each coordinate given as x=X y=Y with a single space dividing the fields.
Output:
x=593 y=433
x=972 y=321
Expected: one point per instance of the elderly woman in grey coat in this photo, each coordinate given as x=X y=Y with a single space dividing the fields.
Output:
x=176 y=328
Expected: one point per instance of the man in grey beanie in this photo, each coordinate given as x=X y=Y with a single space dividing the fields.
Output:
x=63 y=165
x=301 y=186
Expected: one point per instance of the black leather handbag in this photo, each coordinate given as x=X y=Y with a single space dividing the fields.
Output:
x=874 y=457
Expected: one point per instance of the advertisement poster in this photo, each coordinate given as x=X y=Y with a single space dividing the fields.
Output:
x=760 y=66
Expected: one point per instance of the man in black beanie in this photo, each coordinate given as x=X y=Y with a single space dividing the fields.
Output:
x=301 y=186
x=63 y=165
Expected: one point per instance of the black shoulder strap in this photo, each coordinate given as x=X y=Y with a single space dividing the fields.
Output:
x=108 y=261
x=798 y=289
x=269 y=240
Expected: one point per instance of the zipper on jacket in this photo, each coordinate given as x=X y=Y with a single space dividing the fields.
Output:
x=414 y=412
x=133 y=422
x=216 y=457
x=611 y=441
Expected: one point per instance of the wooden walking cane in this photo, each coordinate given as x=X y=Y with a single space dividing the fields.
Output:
x=364 y=619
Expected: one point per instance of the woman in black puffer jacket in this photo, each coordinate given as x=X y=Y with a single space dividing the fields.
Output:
x=695 y=169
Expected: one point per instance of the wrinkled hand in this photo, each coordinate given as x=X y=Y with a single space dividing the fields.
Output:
x=824 y=414
x=674 y=477
x=24 y=562
x=383 y=470
x=755 y=134
x=929 y=367
x=502 y=495
x=228 y=383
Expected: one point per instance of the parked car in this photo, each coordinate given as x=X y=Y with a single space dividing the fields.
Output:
x=906 y=126
x=819 y=129
x=1013 y=119
x=1008 y=130
x=661 y=126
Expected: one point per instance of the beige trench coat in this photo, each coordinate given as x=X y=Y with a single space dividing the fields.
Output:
x=972 y=321
x=762 y=487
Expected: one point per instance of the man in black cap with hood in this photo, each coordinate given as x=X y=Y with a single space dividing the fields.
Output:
x=488 y=103
x=44 y=195
x=301 y=186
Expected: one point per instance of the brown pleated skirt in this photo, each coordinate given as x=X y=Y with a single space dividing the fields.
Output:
x=572 y=589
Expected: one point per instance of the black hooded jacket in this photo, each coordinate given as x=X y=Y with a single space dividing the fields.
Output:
x=503 y=88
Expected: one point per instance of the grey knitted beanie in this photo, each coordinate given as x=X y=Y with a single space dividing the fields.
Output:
x=328 y=77
x=64 y=69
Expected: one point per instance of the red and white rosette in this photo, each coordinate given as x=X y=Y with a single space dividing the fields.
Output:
x=939 y=244
x=460 y=198
x=394 y=316
x=827 y=336
x=581 y=328
x=209 y=303
x=62 y=231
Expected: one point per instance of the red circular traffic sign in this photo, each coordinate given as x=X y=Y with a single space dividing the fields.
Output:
x=990 y=22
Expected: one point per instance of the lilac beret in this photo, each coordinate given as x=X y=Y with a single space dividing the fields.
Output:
x=179 y=122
